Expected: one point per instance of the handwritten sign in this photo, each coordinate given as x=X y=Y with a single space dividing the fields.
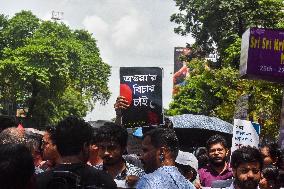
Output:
x=142 y=87
x=262 y=54
x=245 y=133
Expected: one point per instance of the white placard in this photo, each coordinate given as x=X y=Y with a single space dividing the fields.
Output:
x=245 y=133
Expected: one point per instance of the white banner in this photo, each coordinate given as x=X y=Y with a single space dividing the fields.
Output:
x=245 y=133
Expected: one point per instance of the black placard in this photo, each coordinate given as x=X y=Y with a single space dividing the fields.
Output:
x=142 y=87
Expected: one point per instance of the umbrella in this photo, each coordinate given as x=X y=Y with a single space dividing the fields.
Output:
x=138 y=132
x=201 y=122
x=195 y=130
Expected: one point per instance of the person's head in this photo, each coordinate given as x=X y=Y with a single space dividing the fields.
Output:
x=269 y=151
x=246 y=163
x=269 y=178
x=202 y=156
x=94 y=149
x=6 y=122
x=33 y=142
x=112 y=142
x=16 y=166
x=49 y=149
x=12 y=135
x=160 y=147
x=72 y=137
x=187 y=164
x=217 y=150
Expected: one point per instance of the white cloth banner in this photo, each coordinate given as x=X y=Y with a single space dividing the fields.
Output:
x=245 y=133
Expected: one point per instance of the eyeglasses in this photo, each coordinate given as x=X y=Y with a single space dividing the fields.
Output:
x=219 y=150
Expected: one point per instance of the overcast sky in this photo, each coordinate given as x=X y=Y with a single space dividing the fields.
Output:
x=128 y=33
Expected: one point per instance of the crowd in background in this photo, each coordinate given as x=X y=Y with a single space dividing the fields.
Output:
x=72 y=154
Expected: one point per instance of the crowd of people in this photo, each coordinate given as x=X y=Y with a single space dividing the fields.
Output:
x=73 y=154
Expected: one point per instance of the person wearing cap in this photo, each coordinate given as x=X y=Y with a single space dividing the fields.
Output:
x=187 y=164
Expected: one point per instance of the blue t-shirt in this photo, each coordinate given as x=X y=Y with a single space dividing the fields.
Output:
x=163 y=178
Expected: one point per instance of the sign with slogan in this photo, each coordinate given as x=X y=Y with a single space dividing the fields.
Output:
x=142 y=87
x=245 y=133
x=262 y=54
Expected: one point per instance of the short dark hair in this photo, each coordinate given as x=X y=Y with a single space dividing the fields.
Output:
x=71 y=134
x=33 y=141
x=272 y=146
x=51 y=131
x=164 y=137
x=246 y=154
x=215 y=139
x=271 y=174
x=112 y=132
x=94 y=139
x=186 y=169
x=16 y=166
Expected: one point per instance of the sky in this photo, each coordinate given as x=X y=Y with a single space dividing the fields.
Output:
x=129 y=33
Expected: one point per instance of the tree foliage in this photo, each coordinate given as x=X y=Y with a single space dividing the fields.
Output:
x=219 y=22
x=50 y=69
x=214 y=90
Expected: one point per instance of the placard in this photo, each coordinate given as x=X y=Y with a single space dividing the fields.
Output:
x=142 y=87
x=245 y=133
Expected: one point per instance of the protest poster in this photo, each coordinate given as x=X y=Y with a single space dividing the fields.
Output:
x=262 y=54
x=245 y=133
x=142 y=87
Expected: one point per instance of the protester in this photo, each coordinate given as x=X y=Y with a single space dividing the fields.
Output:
x=112 y=142
x=187 y=165
x=270 y=152
x=94 y=158
x=217 y=168
x=269 y=178
x=16 y=167
x=33 y=142
x=202 y=156
x=72 y=138
x=49 y=150
x=247 y=164
x=160 y=149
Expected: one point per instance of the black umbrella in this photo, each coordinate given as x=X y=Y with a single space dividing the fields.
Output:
x=195 y=130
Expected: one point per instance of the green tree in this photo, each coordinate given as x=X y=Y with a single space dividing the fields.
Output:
x=52 y=70
x=213 y=90
x=218 y=23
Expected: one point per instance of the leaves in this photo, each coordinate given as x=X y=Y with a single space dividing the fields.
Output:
x=214 y=88
x=52 y=70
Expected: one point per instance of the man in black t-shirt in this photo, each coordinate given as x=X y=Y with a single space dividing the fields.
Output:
x=72 y=137
x=75 y=175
